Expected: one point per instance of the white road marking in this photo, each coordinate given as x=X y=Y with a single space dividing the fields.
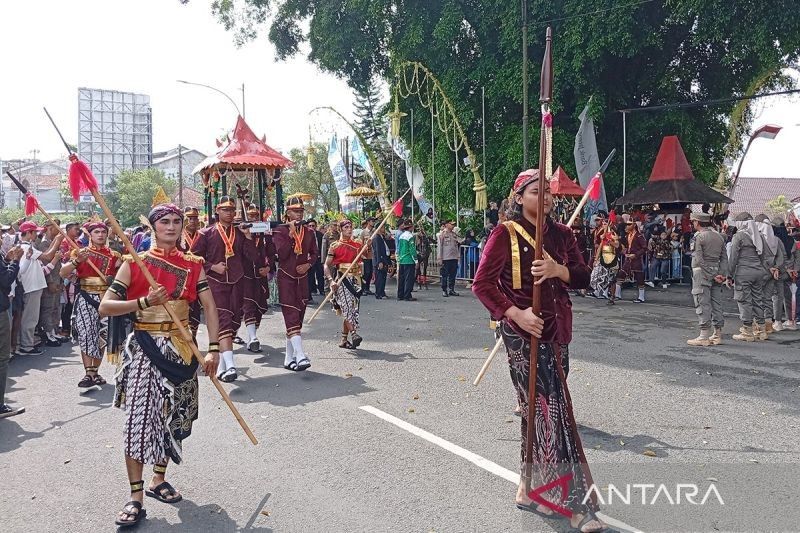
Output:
x=474 y=458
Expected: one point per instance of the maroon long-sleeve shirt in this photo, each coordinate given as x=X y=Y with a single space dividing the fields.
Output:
x=494 y=281
x=211 y=248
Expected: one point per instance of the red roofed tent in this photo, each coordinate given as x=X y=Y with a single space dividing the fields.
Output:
x=672 y=181
x=244 y=152
x=562 y=185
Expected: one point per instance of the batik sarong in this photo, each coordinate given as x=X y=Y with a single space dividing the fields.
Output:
x=557 y=451
x=160 y=411
x=346 y=300
x=88 y=328
x=602 y=277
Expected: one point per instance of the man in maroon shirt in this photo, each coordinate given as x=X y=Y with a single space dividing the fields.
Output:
x=504 y=284
x=256 y=293
x=297 y=250
x=226 y=249
x=635 y=246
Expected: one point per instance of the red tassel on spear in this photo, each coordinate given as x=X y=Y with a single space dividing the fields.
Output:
x=31 y=205
x=81 y=179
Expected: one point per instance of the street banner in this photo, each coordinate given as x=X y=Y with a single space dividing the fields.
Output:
x=587 y=162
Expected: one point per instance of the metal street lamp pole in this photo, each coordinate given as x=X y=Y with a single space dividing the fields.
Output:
x=219 y=91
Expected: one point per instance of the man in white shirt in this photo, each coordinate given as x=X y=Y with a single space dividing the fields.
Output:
x=33 y=282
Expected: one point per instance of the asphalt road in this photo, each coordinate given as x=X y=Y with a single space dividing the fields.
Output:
x=396 y=438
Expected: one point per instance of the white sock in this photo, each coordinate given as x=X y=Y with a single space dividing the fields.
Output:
x=618 y=293
x=297 y=344
x=251 y=330
x=227 y=356
x=289 y=352
x=641 y=294
x=221 y=365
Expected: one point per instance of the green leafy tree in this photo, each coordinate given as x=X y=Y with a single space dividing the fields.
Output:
x=135 y=189
x=368 y=110
x=317 y=181
x=780 y=205
x=625 y=55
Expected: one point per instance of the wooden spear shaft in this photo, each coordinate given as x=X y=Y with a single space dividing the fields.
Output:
x=181 y=328
x=357 y=259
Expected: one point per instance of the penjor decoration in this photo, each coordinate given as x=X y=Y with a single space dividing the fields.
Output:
x=431 y=95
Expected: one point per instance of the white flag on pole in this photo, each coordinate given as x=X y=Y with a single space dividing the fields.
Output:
x=587 y=161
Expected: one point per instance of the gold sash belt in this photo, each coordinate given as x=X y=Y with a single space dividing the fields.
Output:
x=94 y=285
x=156 y=321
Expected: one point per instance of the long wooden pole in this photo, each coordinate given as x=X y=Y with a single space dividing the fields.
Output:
x=545 y=97
x=149 y=277
x=181 y=328
x=488 y=361
x=357 y=259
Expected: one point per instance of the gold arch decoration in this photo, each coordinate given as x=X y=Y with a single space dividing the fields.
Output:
x=415 y=79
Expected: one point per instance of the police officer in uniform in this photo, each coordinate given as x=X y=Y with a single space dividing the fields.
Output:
x=709 y=272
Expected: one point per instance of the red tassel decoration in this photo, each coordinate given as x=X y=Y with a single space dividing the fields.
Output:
x=594 y=187
x=31 y=205
x=397 y=208
x=612 y=218
x=81 y=179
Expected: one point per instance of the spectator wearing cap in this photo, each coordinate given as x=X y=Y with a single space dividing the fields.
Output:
x=709 y=272
x=406 y=261
x=32 y=277
x=50 y=310
x=448 y=248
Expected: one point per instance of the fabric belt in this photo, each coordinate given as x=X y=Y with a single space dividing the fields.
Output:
x=165 y=328
x=94 y=285
x=355 y=270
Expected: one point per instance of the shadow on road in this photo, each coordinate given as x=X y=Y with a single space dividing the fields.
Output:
x=296 y=388
x=194 y=518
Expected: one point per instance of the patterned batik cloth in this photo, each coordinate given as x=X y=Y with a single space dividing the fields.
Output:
x=90 y=330
x=159 y=413
x=602 y=277
x=557 y=450
x=345 y=303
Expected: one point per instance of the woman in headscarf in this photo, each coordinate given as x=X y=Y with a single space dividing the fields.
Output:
x=782 y=299
x=747 y=266
x=156 y=380
x=774 y=257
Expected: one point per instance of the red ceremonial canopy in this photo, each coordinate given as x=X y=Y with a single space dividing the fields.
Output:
x=672 y=181
x=671 y=163
x=562 y=185
x=246 y=151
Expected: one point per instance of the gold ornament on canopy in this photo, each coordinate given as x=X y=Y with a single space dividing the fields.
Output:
x=304 y=196
x=363 y=192
x=395 y=116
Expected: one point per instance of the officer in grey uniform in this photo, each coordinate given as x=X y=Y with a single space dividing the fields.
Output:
x=748 y=268
x=709 y=273
x=774 y=257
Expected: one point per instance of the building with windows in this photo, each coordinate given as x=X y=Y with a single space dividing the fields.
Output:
x=115 y=132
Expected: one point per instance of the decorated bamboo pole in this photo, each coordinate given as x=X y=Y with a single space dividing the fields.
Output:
x=361 y=252
x=81 y=177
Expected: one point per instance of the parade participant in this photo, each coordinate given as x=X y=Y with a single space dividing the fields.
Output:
x=256 y=289
x=634 y=246
x=448 y=248
x=73 y=231
x=297 y=251
x=606 y=259
x=156 y=381
x=316 y=276
x=406 y=261
x=191 y=221
x=747 y=267
x=347 y=289
x=709 y=272
x=504 y=284
x=88 y=326
x=226 y=249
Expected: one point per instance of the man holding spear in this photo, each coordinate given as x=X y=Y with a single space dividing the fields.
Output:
x=523 y=280
x=156 y=381
x=344 y=277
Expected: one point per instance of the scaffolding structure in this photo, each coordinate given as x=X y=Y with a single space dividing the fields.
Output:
x=115 y=132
